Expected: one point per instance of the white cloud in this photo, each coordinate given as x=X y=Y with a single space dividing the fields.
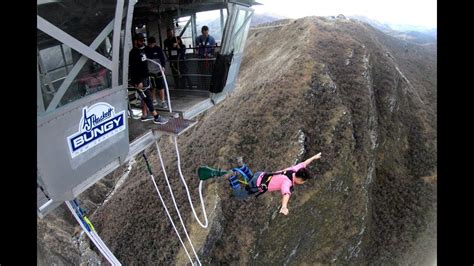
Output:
x=412 y=12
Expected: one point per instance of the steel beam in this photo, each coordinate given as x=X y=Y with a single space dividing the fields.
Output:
x=116 y=43
x=55 y=32
x=78 y=66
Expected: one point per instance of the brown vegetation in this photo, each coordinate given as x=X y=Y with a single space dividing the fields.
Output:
x=355 y=95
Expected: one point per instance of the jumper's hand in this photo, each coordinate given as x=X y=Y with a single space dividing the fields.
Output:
x=318 y=156
x=284 y=210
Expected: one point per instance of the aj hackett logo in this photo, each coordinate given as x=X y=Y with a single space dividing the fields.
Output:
x=98 y=123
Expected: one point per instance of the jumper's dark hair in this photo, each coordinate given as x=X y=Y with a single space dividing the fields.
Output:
x=303 y=173
x=204 y=28
x=151 y=40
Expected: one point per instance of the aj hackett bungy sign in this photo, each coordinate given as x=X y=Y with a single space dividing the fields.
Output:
x=98 y=123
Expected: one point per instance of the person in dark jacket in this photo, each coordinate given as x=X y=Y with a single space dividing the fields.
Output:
x=183 y=67
x=173 y=48
x=139 y=78
x=155 y=53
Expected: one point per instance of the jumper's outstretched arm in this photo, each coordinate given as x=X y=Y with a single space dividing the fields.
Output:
x=315 y=157
x=284 y=204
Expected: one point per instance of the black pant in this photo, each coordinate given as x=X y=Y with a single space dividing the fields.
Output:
x=174 y=64
x=145 y=95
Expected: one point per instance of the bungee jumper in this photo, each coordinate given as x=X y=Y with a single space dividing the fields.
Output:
x=244 y=183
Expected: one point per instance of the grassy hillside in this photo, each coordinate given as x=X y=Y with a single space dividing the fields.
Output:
x=367 y=101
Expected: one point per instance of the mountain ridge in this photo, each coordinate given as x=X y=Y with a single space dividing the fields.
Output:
x=413 y=33
x=364 y=99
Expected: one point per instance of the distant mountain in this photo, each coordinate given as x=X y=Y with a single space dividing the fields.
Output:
x=405 y=28
x=417 y=34
x=264 y=18
x=377 y=24
x=257 y=19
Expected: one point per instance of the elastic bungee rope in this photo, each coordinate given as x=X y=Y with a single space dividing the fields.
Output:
x=174 y=202
x=184 y=182
x=187 y=189
x=166 y=209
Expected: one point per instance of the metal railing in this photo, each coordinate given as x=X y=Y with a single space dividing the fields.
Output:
x=191 y=72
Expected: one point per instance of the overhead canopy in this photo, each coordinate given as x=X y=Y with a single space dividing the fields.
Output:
x=81 y=19
x=149 y=8
x=84 y=19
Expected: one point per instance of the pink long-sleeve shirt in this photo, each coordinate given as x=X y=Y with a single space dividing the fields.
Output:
x=281 y=182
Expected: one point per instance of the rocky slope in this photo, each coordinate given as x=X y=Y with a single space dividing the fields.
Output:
x=367 y=101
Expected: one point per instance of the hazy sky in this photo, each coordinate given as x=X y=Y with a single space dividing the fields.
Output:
x=412 y=12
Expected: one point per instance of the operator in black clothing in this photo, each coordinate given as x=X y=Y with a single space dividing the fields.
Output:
x=139 y=77
x=173 y=49
x=155 y=53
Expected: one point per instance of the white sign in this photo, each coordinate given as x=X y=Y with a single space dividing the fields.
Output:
x=98 y=123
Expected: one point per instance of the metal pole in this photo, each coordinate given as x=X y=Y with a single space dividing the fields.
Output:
x=94 y=237
x=193 y=30
x=64 y=58
x=116 y=44
x=222 y=23
x=127 y=40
